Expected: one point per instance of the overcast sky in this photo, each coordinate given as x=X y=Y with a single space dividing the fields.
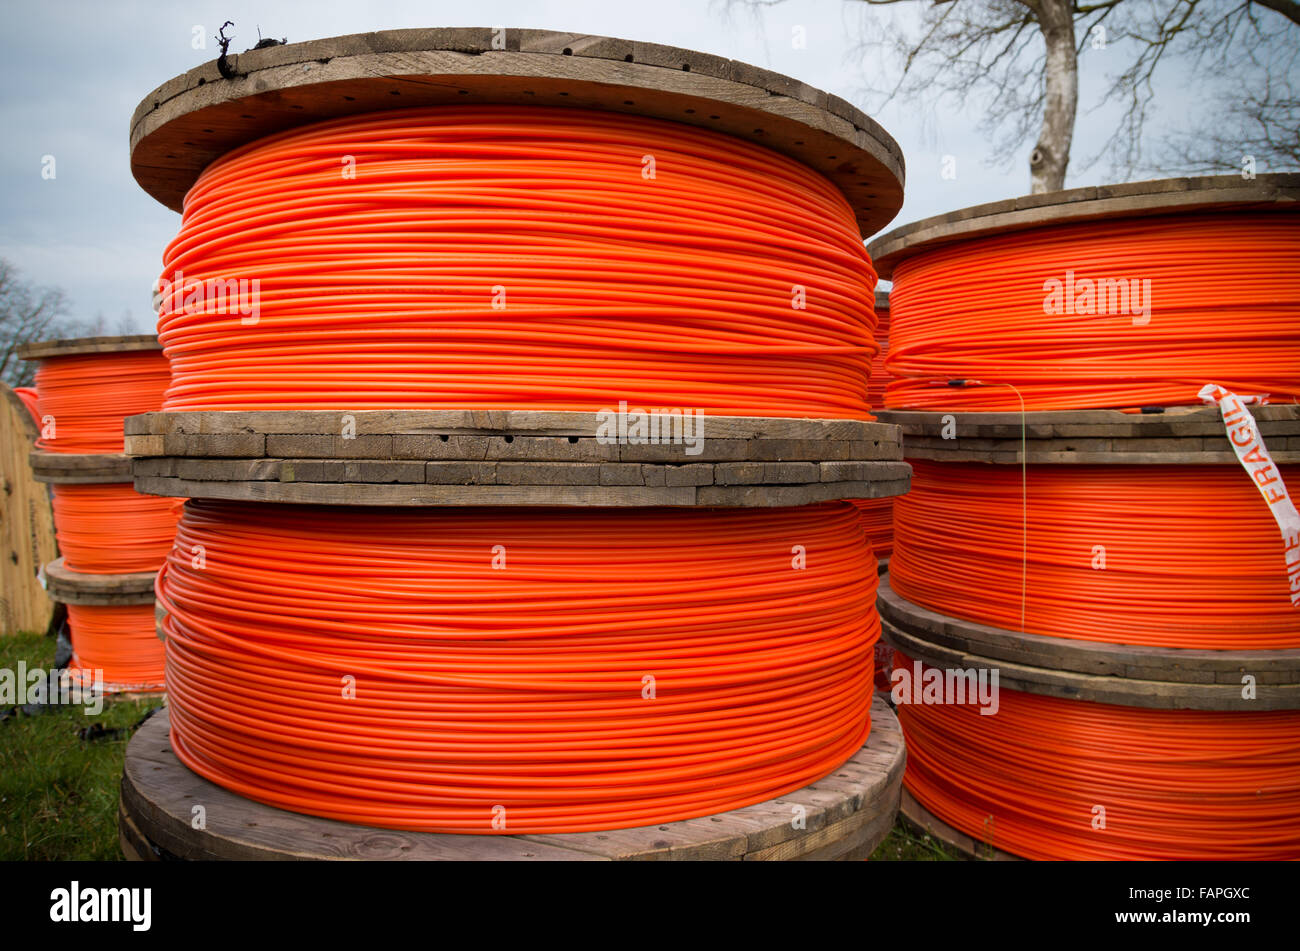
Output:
x=74 y=72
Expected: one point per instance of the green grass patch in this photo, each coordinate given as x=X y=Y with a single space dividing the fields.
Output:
x=906 y=844
x=58 y=792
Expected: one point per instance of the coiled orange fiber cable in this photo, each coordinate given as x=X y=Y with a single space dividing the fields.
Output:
x=498 y=257
x=523 y=686
x=1163 y=556
x=879 y=376
x=120 y=640
x=27 y=395
x=1224 y=299
x=112 y=529
x=1173 y=784
x=89 y=395
x=878 y=514
x=877 y=517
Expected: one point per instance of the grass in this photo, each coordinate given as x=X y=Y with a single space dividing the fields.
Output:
x=58 y=792
x=906 y=844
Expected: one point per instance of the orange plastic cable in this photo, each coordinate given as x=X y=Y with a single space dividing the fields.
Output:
x=877 y=517
x=1164 y=556
x=112 y=529
x=27 y=394
x=879 y=375
x=1172 y=784
x=499 y=257
x=1224 y=297
x=608 y=672
x=878 y=514
x=88 y=396
x=121 y=641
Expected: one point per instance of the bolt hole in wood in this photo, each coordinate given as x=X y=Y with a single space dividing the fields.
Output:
x=443 y=436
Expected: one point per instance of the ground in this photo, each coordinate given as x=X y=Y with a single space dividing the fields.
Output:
x=59 y=788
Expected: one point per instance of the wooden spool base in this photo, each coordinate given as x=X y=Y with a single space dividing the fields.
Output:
x=1133 y=199
x=459 y=458
x=74 y=587
x=923 y=820
x=1126 y=675
x=1181 y=435
x=188 y=122
x=84 y=346
x=63 y=468
x=847 y=815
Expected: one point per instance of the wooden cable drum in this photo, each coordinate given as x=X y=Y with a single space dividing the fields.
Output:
x=26 y=524
x=841 y=817
x=678 y=238
x=1080 y=525
x=1048 y=777
x=1099 y=298
x=708 y=116
x=112 y=539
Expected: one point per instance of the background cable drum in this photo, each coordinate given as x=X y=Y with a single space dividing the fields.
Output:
x=1173 y=784
x=1168 y=556
x=526 y=685
x=878 y=514
x=502 y=257
x=1224 y=307
x=119 y=640
x=88 y=395
x=112 y=529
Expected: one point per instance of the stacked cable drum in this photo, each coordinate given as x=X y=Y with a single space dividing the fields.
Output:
x=518 y=409
x=111 y=539
x=1098 y=392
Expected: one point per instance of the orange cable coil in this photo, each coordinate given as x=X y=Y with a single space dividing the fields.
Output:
x=501 y=257
x=878 y=514
x=27 y=396
x=1174 y=784
x=1161 y=556
x=89 y=395
x=119 y=640
x=1224 y=298
x=522 y=686
x=112 y=529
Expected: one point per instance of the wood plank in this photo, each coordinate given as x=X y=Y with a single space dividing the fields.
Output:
x=26 y=524
x=80 y=346
x=1070 y=685
x=1169 y=664
x=186 y=123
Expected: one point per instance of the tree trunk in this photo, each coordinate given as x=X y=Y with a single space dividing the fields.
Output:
x=1051 y=154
